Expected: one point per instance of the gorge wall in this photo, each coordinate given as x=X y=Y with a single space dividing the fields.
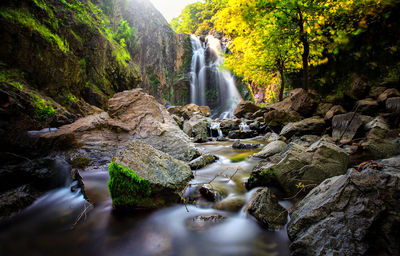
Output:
x=60 y=60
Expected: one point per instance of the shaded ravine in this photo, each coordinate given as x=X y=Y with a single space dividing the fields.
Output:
x=63 y=223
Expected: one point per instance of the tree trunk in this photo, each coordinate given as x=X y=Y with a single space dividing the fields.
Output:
x=281 y=90
x=306 y=50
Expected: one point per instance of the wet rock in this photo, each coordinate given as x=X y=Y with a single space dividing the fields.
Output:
x=202 y=161
x=197 y=127
x=335 y=110
x=278 y=119
x=208 y=194
x=265 y=208
x=389 y=93
x=245 y=109
x=190 y=110
x=237 y=134
x=239 y=145
x=271 y=136
x=345 y=126
x=132 y=115
x=263 y=176
x=231 y=204
x=228 y=125
x=271 y=149
x=368 y=107
x=352 y=214
x=166 y=175
x=200 y=223
x=16 y=199
x=313 y=125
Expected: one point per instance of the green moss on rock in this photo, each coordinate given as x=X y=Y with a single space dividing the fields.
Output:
x=127 y=189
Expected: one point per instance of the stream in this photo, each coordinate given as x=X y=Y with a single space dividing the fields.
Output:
x=63 y=223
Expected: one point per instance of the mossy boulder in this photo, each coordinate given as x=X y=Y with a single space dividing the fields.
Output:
x=144 y=177
x=126 y=187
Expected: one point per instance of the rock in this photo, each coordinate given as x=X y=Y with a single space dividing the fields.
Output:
x=205 y=111
x=14 y=200
x=368 y=107
x=377 y=122
x=132 y=115
x=389 y=93
x=271 y=136
x=197 y=127
x=228 y=125
x=237 y=134
x=393 y=105
x=164 y=175
x=179 y=120
x=375 y=91
x=188 y=111
x=304 y=103
x=305 y=140
x=262 y=176
x=202 y=161
x=246 y=109
x=231 y=204
x=352 y=214
x=278 y=119
x=313 y=125
x=239 y=145
x=200 y=223
x=265 y=208
x=358 y=88
x=335 y=110
x=271 y=149
x=298 y=164
x=261 y=112
x=345 y=126
x=323 y=109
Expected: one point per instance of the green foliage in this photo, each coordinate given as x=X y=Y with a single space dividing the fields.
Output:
x=71 y=99
x=26 y=19
x=44 y=109
x=197 y=18
x=125 y=32
x=126 y=187
x=269 y=173
x=12 y=77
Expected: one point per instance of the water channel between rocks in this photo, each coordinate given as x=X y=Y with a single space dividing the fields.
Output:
x=50 y=226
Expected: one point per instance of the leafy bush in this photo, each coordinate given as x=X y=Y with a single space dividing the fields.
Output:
x=44 y=110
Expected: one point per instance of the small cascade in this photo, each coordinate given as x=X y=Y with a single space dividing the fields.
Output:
x=211 y=84
x=244 y=127
x=216 y=126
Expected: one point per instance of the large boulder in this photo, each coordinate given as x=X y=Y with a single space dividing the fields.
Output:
x=197 y=127
x=304 y=103
x=368 y=107
x=335 y=110
x=228 y=125
x=265 y=208
x=132 y=115
x=279 y=118
x=352 y=214
x=246 y=109
x=298 y=166
x=312 y=125
x=144 y=177
x=345 y=126
x=271 y=148
x=202 y=161
x=389 y=93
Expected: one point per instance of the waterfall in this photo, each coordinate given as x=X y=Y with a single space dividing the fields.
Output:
x=211 y=84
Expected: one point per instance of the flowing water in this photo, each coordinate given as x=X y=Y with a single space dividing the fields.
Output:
x=210 y=80
x=62 y=222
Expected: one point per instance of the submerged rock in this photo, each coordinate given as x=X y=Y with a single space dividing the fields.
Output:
x=202 y=222
x=352 y=214
x=237 y=134
x=202 y=161
x=164 y=175
x=239 y=145
x=231 y=204
x=265 y=208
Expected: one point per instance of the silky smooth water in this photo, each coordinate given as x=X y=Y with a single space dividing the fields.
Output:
x=64 y=223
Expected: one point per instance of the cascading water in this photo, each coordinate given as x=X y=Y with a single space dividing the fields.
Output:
x=212 y=84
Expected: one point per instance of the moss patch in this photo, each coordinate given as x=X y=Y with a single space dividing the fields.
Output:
x=126 y=187
x=80 y=162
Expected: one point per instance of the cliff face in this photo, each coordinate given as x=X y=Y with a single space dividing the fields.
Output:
x=163 y=56
x=61 y=59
